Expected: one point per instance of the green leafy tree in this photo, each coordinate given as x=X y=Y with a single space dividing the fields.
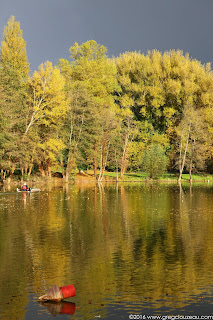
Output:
x=154 y=160
x=193 y=141
x=92 y=112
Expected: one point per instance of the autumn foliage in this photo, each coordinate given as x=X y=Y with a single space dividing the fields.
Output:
x=101 y=113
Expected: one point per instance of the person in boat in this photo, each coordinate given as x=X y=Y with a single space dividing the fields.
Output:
x=25 y=187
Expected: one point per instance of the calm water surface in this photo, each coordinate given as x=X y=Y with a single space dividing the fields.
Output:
x=129 y=250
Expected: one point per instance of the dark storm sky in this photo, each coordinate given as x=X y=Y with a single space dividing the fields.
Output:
x=50 y=27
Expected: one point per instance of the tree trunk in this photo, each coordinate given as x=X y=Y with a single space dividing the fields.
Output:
x=30 y=169
x=4 y=175
x=95 y=161
x=104 y=155
x=124 y=156
x=41 y=169
x=104 y=148
x=69 y=165
x=123 y=165
x=116 y=161
x=22 y=174
x=190 y=167
x=190 y=171
x=182 y=161
x=49 y=172
x=25 y=169
x=12 y=169
x=62 y=166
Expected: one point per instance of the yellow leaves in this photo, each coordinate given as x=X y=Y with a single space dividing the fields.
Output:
x=89 y=50
x=160 y=139
x=126 y=101
x=169 y=112
x=208 y=117
x=189 y=87
x=125 y=80
x=155 y=61
x=135 y=151
x=170 y=132
x=13 y=49
x=99 y=78
x=48 y=100
x=208 y=113
x=142 y=100
x=143 y=111
x=206 y=98
x=52 y=148
x=48 y=80
x=126 y=113
x=157 y=96
x=160 y=86
x=173 y=86
x=54 y=144
x=66 y=71
x=166 y=65
x=127 y=62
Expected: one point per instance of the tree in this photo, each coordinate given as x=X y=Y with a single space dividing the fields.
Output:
x=13 y=50
x=194 y=141
x=47 y=101
x=14 y=73
x=128 y=132
x=76 y=115
x=92 y=113
x=160 y=89
x=142 y=138
x=89 y=50
x=47 y=106
x=154 y=160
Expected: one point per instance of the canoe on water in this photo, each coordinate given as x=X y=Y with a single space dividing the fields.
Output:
x=31 y=190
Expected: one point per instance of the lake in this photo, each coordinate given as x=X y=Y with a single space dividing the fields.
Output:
x=131 y=250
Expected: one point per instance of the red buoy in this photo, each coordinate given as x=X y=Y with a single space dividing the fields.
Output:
x=68 y=291
x=58 y=293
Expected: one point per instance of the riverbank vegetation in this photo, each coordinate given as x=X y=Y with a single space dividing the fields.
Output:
x=137 y=112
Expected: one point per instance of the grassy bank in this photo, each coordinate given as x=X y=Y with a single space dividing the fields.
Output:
x=109 y=177
x=141 y=176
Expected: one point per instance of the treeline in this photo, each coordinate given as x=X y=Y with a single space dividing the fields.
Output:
x=135 y=112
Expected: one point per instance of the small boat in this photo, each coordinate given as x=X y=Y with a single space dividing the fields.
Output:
x=31 y=190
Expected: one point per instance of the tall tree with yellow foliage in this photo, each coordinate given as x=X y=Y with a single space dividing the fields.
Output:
x=47 y=106
x=13 y=50
x=14 y=74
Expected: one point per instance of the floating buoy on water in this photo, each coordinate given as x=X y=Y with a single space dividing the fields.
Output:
x=58 y=293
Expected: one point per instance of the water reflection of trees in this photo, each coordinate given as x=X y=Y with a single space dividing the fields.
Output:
x=129 y=243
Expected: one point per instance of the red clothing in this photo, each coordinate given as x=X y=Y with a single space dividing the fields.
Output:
x=24 y=188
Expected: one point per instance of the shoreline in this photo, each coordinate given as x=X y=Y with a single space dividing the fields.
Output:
x=85 y=178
